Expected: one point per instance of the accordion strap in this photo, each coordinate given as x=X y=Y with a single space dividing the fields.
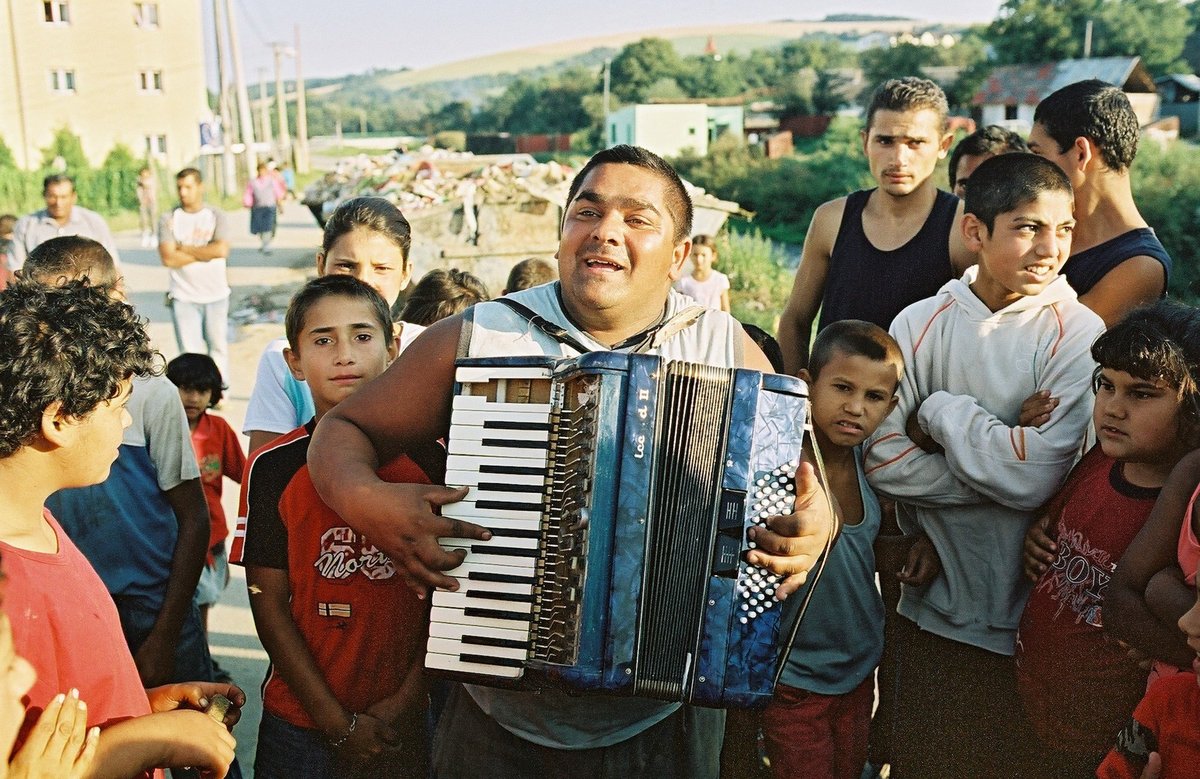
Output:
x=815 y=573
x=641 y=343
x=541 y=323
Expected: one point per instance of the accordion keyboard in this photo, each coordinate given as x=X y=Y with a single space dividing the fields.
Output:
x=514 y=601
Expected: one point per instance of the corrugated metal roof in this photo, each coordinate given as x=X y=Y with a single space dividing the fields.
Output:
x=1029 y=84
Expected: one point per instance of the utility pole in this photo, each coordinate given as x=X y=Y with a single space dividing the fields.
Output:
x=228 y=165
x=285 y=141
x=301 y=114
x=243 y=97
x=264 y=108
x=604 y=123
x=1087 y=39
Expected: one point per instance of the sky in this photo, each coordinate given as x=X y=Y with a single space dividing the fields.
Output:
x=352 y=36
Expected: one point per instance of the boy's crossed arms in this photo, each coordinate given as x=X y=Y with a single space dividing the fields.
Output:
x=942 y=448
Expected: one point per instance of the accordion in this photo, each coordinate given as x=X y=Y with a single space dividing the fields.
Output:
x=619 y=490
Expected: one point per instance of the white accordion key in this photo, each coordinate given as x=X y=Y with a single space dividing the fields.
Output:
x=443 y=662
x=490 y=373
x=480 y=403
x=458 y=616
x=474 y=478
x=511 y=450
x=494 y=418
x=477 y=586
x=449 y=646
x=481 y=515
x=458 y=631
x=461 y=600
x=473 y=433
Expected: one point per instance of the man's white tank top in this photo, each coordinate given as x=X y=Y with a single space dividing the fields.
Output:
x=497 y=331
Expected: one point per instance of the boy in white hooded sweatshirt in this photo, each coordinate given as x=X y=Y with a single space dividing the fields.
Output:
x=967 y=476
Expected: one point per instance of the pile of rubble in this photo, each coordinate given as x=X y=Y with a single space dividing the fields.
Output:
x=431 y=177
x=478 y=213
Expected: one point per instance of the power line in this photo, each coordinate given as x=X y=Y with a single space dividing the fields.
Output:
x=263 y=39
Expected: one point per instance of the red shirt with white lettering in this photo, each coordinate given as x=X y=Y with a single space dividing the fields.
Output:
x=1078 y=686
x=364 y=627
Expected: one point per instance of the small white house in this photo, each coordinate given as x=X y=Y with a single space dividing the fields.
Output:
x=665 y=129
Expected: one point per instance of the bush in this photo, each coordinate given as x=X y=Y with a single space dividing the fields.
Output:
x=7 y=161
x=108 y=189
x=66 y=145
x=1166 y=186
x=20 y=191
x=759 y=277
x=455 y=140
x=783 y=194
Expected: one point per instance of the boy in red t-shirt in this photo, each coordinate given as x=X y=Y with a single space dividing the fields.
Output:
x=67 y=357
x=344 y=696
x=219 y=455
x=1077 y=685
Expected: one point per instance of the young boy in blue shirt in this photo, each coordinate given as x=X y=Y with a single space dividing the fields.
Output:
x=818 y=722
x=144 y=528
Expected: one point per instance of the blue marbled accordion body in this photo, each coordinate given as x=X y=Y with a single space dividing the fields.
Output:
x=624 y=572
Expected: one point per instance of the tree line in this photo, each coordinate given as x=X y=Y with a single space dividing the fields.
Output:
x=800 y=77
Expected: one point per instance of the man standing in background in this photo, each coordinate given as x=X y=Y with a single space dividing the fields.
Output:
x=147 y=195
x=61 y=216
x=192 y=244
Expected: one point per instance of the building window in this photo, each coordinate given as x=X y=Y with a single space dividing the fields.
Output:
x=1010 y=112
x=57 y=11
x=156 y=145
x=145 y=15
x=150 y=81
x=62 y=80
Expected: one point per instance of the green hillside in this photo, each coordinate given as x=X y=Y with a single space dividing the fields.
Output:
x=688 y=40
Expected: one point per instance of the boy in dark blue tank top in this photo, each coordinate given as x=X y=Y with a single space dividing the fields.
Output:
x=872 y=253
x=1089 y=130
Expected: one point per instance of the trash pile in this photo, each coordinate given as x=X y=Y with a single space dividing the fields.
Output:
x=476 y=212
x=431 y=177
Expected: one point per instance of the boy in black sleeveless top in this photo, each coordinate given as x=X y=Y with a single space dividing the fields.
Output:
x=870 y=254
x=1089 y=130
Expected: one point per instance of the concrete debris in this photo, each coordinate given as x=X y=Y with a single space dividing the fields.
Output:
x=431 y=177
x=478 y=213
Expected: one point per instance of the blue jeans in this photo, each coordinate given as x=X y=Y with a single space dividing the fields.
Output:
x=213 y=578
x=203 y=328
x=286 y=751
x=193 y=663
